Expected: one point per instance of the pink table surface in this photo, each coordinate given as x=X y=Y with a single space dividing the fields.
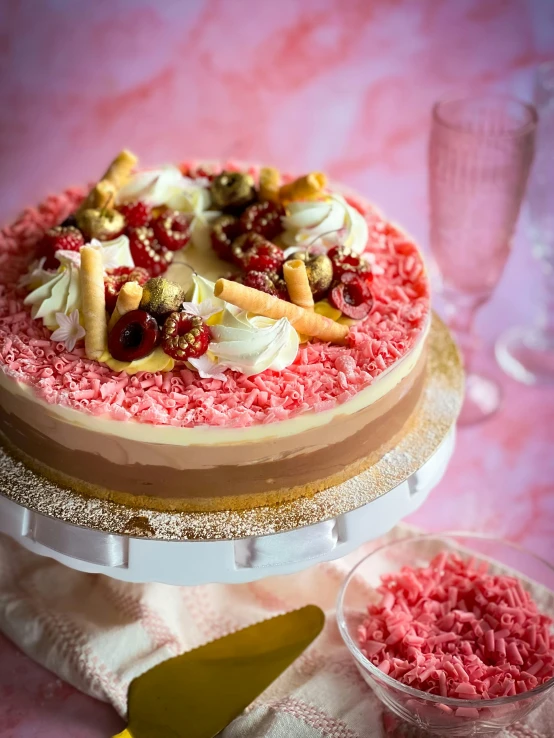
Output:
x=340 y=85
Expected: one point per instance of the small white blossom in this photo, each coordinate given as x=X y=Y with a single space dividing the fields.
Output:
x=37 y=274
x=66 y=257
x=204 y=309
x=208 y=368
x=69 y=330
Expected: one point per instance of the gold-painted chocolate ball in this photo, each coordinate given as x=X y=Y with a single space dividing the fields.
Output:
x=232 y=191
x=101 y=224
x=160 y=297
x=320 y=274
x=302 y=255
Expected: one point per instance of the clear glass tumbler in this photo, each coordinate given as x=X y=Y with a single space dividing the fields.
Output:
x=480 y=153
x=527 y=353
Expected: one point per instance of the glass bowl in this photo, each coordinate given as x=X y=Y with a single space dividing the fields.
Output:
x=433 y=714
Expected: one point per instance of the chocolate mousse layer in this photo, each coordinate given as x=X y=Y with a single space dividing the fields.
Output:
x=207 y=477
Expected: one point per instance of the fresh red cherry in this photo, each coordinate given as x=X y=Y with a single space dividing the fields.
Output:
x=344 y=260
x=135 y=335
x=352 y=296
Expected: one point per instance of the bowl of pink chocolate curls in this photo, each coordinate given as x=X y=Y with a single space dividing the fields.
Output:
x=452 y=631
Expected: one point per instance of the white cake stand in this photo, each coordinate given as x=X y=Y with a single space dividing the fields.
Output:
x=232 y=561
x=144 y=545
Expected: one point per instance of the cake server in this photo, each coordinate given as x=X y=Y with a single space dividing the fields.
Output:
x=199 y=693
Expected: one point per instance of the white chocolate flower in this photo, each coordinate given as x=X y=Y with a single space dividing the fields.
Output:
x=36 y=275
x=69 y=331
x=208 y=367
x=203 y=295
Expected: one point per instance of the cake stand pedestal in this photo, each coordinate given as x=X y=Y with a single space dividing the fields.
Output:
x=233 y=561
x=234 y=546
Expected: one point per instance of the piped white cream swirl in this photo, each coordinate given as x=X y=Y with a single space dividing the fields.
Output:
x=324 y=223
x=60 y=294
x=60 y=291
x=157 y=186
x=251 y=343
x=242 y=341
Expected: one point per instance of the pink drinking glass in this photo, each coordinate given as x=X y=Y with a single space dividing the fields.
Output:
x=480 y=154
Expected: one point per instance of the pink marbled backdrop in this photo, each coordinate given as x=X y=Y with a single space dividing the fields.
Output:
x=341 y=85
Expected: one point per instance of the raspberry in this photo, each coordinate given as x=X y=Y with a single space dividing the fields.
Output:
x=172 y=229
x=185 y=336
x=225 y=230
x=280 y=286
x=254 y=253
x=344 y=260
x=264 y=258
x=203 y=172
x=242 y=244
x=147 y=251
x=61 y=238
x=137 y=213
x=116 y=278
x=352 y=296
x=263 y=218
x=260 y=281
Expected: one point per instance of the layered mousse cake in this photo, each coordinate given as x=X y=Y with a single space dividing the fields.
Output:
x=207 y=337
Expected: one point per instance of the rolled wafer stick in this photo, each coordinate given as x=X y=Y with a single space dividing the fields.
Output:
x=115 y=176
x=93 y=302
x=304 y=188
x=298 y=285
x=120 y=169
x=101 y=195
x=270 y=183
x=304 y=321
x=128 y=299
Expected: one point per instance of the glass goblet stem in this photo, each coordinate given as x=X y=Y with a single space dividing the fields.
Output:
x=460 y=313
x=546 y=310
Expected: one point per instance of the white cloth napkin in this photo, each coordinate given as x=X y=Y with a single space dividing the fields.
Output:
x=98 y=634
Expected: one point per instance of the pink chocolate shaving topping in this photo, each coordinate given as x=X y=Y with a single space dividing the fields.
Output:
x=321 y=377
x=453 y=630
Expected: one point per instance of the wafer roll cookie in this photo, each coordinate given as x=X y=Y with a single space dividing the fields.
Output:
x=270 y=183
x=298 y=285
x=304 y=188
x=119 y=171
x=101 y=196
x=128 y=299
x=304 y=321
x=93 y=302
x=116 y=175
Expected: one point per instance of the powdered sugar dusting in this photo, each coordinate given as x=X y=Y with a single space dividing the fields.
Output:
x=322 y=376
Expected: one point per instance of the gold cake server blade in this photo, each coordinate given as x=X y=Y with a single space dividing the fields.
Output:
x=197 y=694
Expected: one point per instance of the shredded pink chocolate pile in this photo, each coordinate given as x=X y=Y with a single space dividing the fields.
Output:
x=322 y=376
x=454 y=630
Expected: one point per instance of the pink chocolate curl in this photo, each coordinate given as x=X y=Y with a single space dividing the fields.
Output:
x=457 y=631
